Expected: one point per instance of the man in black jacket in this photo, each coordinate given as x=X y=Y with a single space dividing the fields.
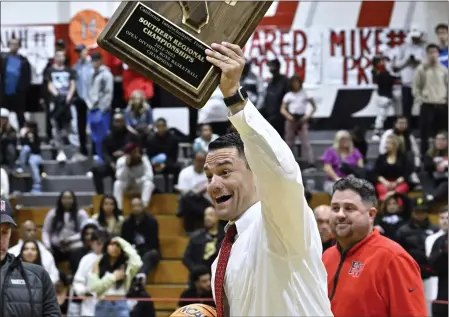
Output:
x=142 y=231
x=412 y=235
x=205 y=243
x=113 y=145
x=26 y=290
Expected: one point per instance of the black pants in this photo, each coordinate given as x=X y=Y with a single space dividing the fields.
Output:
x=439 y=310
x=278 y=123
x=407 y=103
x=220 y=128
x=191 y=208
x=150 y=259
x=73 y=256
x=8 y=154
x=16 y=103
x=81 y=112
x=100 y=172
x=432 y=119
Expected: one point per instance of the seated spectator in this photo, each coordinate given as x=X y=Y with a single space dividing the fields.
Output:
x=109 y=216
x=204 y=244
x=201 y=143
x=142 y=231
x=30 y=252
x=4 y=183
x=412 y=235
x=139 y=301
x=395 y=212
x=31 y=153
x=112 y=276
x=139 y=115
x=28 y=233
x=60 y=80
x=88 y=227
x=294 y=110
x=436 y=165
x=411 y=149
x=162 y=149
x=61 y=232
x=113 y=145
x=438 y=262
x=322 y=216
x=134 y=173
x=200 y=279
x=80 y=280
x=432 y=283
x=341 y=160
x=194 y=199
x=359 y=140
x=8 y=141
x=392 y=169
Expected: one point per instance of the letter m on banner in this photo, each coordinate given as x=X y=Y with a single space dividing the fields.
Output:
x=85 y=26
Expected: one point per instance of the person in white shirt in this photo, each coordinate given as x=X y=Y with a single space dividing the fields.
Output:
x=134 y=172
x=201 y=143
x=192 y=184
x=274 y=265
x=215 y=113
x=410 y=55
x=28 y=232
x=294 y=109
x=431 y=284
x=81 y=278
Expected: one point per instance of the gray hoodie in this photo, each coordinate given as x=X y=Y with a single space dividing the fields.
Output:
x=101 y=89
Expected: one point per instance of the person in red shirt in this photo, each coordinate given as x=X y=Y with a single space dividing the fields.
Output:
x=367 y=273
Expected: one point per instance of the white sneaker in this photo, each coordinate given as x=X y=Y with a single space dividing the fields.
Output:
x=78 y=157
x=61 y=157
x=90 y=174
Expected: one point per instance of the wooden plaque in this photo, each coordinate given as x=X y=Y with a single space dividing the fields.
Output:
x=166 y=41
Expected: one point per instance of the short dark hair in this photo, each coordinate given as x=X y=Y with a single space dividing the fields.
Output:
x=441 y=26
x=430 y=46
x=161 y=120
x=197 y=272
x=230 y=140
x=100 y=235
x=443 y=209
x=360 y=186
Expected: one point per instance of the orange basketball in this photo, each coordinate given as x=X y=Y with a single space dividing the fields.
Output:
x=195 y=310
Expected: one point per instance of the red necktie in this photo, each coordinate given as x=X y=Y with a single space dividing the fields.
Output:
x=223 y=259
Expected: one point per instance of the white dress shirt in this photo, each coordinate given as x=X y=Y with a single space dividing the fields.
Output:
x=48 y=261
x=275 y=266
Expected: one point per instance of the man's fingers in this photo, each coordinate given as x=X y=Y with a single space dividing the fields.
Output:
x=219 y=56
x=216 y=62
x=226 y=52
x=235 y=48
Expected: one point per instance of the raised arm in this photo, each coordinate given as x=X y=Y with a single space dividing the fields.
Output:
x=286 y=215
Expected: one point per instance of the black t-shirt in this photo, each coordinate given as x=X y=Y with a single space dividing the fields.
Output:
x=60 y=78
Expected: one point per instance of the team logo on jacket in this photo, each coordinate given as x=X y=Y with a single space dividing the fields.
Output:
x=356 y=268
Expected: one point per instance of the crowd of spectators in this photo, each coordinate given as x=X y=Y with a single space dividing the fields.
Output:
x=112 y=255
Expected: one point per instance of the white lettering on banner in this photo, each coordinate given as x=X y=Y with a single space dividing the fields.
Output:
x=298 y=52
x=37 y=45
x=347 y=61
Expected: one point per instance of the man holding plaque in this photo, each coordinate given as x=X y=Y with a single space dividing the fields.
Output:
x=271 y=255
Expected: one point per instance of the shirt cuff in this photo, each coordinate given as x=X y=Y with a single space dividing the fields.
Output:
x=243 y=119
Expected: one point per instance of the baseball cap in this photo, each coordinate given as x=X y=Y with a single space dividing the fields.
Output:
x=6 y=212
x=420 y=204
x=96 y=56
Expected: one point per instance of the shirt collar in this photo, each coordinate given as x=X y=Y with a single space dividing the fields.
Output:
x=246 y=219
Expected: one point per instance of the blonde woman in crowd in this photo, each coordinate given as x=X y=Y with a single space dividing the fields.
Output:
x=138 y=114
x=341 y=160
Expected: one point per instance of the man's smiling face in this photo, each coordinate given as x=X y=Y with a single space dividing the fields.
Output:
x=231 y=182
